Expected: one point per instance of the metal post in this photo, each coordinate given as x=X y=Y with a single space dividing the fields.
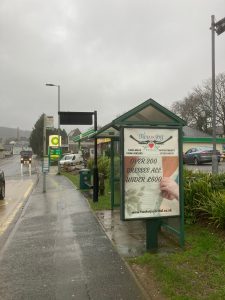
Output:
x=58 y=126
x=44 y=152
x=44 y=135
x=95 y=168
x=214 y=156
x=112 y=175
x=44 y=181
x=58 y=86
x=152 y=230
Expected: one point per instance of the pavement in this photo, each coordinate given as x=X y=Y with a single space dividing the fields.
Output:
x=59 y=249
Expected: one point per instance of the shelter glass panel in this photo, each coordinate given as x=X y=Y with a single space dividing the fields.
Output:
x=148 y=114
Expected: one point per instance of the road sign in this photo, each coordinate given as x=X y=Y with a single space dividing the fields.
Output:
x=45 y=164
x=75 y=118
x=55 y=154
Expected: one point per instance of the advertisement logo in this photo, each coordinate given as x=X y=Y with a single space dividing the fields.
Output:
x=153 y=143
x=54 y=141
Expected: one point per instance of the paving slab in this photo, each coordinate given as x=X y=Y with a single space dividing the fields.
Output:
x=58 y=250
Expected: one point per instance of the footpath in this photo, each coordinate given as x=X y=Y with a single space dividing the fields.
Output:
x=58 y=250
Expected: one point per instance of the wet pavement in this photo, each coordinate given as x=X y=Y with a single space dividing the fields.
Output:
x=128 y=237
x=58 y=249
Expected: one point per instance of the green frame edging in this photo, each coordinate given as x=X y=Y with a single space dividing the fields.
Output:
x=203 y=140
x=153 y=224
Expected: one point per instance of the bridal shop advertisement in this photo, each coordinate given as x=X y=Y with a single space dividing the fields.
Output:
x=151 y=173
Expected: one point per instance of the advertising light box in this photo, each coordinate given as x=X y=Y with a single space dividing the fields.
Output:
x=150 y=173
x=54 y=141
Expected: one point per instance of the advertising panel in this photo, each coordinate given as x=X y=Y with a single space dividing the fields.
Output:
x=151 y=173
x=55 y=154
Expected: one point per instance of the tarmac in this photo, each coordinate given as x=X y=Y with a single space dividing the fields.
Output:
x=60 y=249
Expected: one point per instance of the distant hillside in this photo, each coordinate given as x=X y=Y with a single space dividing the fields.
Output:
x=6 y=133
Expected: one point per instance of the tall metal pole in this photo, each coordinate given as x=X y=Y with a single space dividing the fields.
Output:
x=214 y=156
x=95 y=168
x=44 y=134
x=58 y=127
x=58 y=86
x=44 y=152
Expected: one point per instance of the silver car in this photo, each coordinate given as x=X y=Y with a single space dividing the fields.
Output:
x=199 y=155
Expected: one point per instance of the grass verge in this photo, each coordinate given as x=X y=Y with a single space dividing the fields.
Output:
x=198 y=272
x=103 y=200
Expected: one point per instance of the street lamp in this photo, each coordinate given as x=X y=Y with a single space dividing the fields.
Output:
x=218 y=27
x=58 y=86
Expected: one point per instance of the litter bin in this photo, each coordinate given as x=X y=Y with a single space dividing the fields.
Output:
x=85 y=179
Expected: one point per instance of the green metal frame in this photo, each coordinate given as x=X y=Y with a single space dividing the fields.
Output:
x=171 y=121
x=153 y=225
x=203 y=140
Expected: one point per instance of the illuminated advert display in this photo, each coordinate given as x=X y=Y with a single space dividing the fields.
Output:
x=151 y=173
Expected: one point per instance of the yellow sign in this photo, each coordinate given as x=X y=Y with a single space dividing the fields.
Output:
x=54 y=141
x=103 y=140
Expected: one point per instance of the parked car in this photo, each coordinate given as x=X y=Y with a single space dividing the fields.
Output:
x=199 y=155
x=2 y=185
x=71 y=160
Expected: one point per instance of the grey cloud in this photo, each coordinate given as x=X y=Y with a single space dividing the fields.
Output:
x=107 y=56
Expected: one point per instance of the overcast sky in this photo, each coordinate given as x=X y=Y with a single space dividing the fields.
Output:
x=106 y=55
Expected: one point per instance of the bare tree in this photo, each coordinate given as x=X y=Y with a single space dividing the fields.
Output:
x=196 y=108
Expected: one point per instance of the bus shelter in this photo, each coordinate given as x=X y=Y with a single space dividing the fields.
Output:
x=146 y=156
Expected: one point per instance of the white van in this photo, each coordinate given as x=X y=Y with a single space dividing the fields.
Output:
x=71 y=159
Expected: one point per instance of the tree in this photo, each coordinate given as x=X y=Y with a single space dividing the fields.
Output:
x=196 y=108
x=36 y=137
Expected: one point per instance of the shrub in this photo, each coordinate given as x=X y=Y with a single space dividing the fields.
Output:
x=103 y=165
x=214 y=209
x=204 y=198
x=196 y=187
x=90 y=163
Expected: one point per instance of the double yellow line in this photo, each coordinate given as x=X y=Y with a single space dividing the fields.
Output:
x=9 y=220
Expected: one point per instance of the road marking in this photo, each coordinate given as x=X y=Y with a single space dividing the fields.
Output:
x=29 y=190
x=10 y=219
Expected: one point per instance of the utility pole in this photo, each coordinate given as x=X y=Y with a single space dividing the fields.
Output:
x=95 y=168
x=44 y=153
x=219 y=27
x=214 y=155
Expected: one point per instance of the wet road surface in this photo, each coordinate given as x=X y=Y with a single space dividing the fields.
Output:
x=19 y=182
x=17 y=192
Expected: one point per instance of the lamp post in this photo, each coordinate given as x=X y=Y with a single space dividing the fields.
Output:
x=219 y=27
x=58 y=86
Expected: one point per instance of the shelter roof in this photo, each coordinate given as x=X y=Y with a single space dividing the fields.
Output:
x=147 y=113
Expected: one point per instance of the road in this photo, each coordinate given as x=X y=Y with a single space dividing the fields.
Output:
x=206 y=168
x=19 y=184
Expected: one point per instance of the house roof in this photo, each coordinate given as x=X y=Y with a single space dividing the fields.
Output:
x=195 y=133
